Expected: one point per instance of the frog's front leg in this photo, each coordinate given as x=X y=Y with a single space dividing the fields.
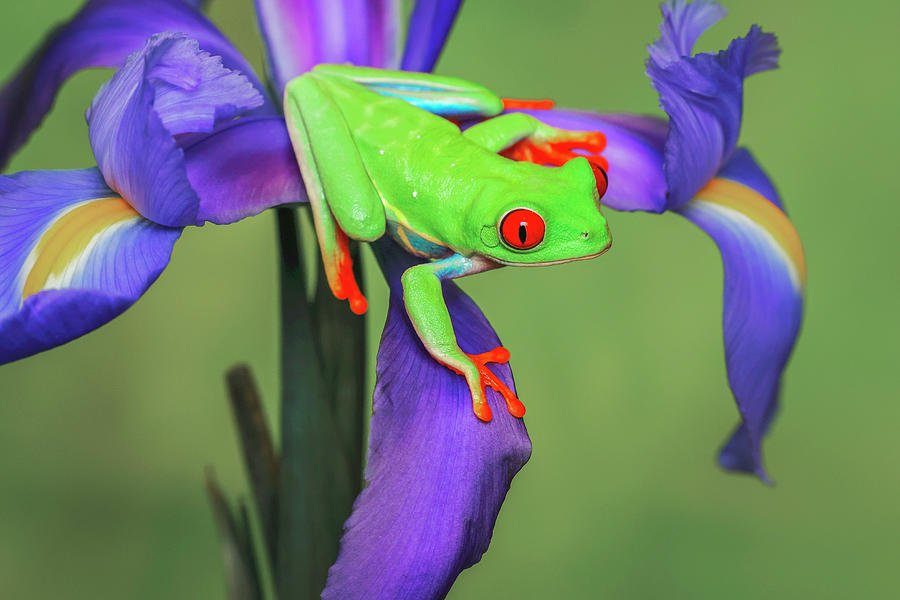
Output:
x=522 y=137
x=427 y=310
x=343 y=198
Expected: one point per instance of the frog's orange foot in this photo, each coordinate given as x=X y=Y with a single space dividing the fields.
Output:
x=345 y=288
x=481 y=408
x=559 y=152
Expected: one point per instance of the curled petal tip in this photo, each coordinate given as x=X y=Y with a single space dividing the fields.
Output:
x=702 y=94
x=102 y=34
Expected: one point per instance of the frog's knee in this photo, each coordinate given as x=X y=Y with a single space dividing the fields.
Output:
x=361 y=225
x=365 y=228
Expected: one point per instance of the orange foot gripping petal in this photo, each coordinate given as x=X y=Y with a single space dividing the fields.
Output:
x=346 y=288
x=513 y=405
x=560 y=152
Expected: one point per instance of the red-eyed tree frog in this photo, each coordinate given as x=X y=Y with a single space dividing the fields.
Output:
x=379 y=152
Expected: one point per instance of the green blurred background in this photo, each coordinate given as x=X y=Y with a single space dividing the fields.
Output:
x=103 y=442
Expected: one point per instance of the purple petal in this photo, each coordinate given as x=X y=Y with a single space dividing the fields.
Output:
x=702 y=94
x=429 y=27
x=302 y=33
x=436 y=474
x=166 y=89
x=633 y=149
x=102 y=34
x=682 y=26
x=743 y=168
x=73 y=255
x=765 y=276
x=243 y=169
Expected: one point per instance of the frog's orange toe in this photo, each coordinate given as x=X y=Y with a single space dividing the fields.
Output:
x=358 y=304
x=513 y=405
x=483 y=411
x=513 y=104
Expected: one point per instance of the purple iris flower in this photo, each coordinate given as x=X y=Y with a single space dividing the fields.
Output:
x=186 y=133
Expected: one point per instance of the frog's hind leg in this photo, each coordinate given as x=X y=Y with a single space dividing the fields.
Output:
x=342 y=197
x=450 y=97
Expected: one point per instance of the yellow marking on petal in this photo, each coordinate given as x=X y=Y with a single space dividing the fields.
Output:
x=69 y=236
x=753 y=205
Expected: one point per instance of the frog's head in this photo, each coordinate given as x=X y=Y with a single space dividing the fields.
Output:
x=542 y=215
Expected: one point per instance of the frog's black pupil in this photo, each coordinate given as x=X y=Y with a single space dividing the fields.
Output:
x=523 y=232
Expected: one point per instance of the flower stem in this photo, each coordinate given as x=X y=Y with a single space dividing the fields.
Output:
x=302 y=496
x=316 y=486
x=342 y=342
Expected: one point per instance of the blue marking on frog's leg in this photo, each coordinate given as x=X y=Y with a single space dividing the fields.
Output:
x=445 y=96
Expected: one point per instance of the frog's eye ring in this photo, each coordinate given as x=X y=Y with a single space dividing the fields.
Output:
x=602 y=179
x=522 y=229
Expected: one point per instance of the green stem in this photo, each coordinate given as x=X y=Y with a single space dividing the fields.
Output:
x=316 y=480
x=342 y=340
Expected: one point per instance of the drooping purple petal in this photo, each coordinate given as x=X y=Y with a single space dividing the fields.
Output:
x=302 y=33
x=169 y=88
x=102 y=34
x=428 y=29
x=73 y=255
x=765 y=275
x=436 y=474
x=634 y=151
x=702 y=94
x=243 y=169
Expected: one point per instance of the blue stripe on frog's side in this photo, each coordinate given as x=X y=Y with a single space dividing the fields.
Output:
x=416 y=244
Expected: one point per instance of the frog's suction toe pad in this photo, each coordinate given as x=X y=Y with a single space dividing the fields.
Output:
x=358 y=304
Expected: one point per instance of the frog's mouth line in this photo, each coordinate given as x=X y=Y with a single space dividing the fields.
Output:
x=552 y=262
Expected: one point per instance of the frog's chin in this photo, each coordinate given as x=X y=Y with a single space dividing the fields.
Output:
x=550 y=262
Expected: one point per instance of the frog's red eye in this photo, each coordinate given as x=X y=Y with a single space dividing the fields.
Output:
x=522 y=229
x=600 y=176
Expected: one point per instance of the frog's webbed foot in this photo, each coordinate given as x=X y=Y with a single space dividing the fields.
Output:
x=559 y=148
x=423 y=297
x=480 y=376
x=344 y=286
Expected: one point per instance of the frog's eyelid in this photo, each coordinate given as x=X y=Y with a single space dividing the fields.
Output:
x=489 y=236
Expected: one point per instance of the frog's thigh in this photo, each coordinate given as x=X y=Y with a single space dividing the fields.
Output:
x=502 y=132
x=326 y=232
x=332 y=240
x=449 y=97
x=323 y=141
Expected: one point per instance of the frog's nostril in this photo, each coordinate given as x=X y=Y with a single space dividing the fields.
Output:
x=585 y=235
